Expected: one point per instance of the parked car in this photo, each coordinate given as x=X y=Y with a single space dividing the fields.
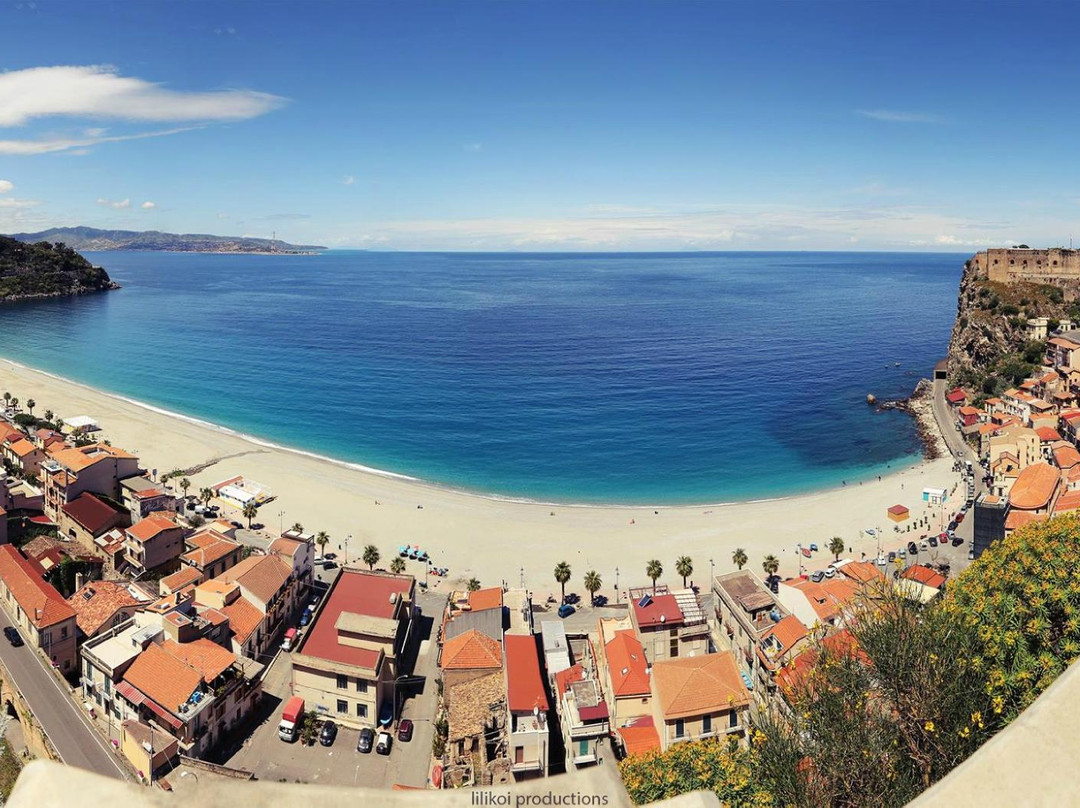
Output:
x=957 y=541
x=924 y=546
x=236 y=524
x=305 y=618
x=952 y=525
x=813 y=548
x=829 y=572
x=912 y=548
x=959 y=517
x=382 y=746
x=901 y=553
x=566 y=610
x=892 y=556
x=328 y=733
x=817 y=576
x=366 y=740
x=404 y=730
x=933 y=541
x=13 y=637
x=329 y=565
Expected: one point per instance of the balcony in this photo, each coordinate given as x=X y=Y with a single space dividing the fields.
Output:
x=583 y=731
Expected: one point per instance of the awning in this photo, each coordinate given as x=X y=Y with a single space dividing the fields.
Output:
x=130 y=693
x=164 y=714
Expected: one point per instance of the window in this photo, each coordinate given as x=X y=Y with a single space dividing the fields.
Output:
x=674 y=647
x=108 y=685
x=583 y=748
x=706 y=725
x=361 y=686
x=733 y=719
x=680 y=728
x=342 y=706
x=361 y=710
x=342 y=682
x=519 y=754
x=63 y=632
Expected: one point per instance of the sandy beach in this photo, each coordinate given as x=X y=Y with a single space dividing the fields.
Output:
x=492 y=539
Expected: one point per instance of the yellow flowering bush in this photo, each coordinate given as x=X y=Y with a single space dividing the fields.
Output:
x=715 y=765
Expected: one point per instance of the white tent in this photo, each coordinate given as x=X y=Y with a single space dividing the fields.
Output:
x=81 y=423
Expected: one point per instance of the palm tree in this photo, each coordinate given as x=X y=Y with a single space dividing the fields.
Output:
x=473 y=584
x=322 y=538
x=185 y=484
x=59 y=424
x=684 y=567
x=14 y=403
x=592 y=584
x=836 y=547
x=397 y=565
x=371 y=556
x=562 y=575
x=297 y=528
x=49 y=415
x=30 y=404
x=250 y=509
x=207 y=494
x=7 y=397
x=739 y=558
x=771 y=564
x=654 y=569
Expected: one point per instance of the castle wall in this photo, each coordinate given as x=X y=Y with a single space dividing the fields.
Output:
x=1037 y=266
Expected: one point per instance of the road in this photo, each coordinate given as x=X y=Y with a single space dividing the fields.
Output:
x=67 y=726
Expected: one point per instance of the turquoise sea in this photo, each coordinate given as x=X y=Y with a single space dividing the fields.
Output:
x=645 y=378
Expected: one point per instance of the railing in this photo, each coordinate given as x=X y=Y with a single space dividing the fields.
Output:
x=589 y=730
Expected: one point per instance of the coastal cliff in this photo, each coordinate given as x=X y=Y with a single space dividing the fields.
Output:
x=90 y=238
x=993 y=345
x=31 y=271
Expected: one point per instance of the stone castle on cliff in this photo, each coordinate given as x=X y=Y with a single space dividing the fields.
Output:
x=1057 y=266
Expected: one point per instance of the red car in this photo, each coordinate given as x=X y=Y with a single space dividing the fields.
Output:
x=404 y=730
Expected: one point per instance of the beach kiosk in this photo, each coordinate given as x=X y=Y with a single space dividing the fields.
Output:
x=898 y=513
x=80 y=425
x=934 y=496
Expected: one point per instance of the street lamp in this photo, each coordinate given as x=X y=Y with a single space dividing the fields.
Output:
x=347 y=537
x=281 y=521
x=617 y=596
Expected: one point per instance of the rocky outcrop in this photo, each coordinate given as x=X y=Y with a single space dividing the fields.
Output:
x=920 y=405
x=34 y=271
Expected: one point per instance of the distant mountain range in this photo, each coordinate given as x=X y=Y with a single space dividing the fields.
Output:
x=90 y=238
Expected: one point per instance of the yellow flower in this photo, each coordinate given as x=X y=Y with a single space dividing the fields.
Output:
x=929 y=726
x=964 y=733
x=933 y=657
x=999 y=704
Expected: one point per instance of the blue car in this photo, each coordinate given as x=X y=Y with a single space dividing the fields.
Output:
x=566 y=610
x=813 y=548
x=305 y=618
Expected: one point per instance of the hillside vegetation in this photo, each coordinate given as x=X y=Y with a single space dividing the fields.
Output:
x=46 y=270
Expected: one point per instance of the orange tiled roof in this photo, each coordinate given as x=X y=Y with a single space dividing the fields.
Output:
x=209 y=546
x=524 y=681
x=924 y=575
x=787 y=632
x=1069 y=501
x=471 y=650
x=244 y=617
x=1066 y=457
x=263 y=576
x=98 y=602
x=699 y=685
x=563 y=679
x=152 y=525
x=862 y=572
x=1034 y=487
x=826 y=597
x=78 y=458
x=205 y=656
x=41 y=603
x=22 y=447
x=639 y=739
x=1017 y=519
x=490 y=598
x=627 y=666
x=1047 y=433
x=285 y=546
x=184 y=576
x=166 y=679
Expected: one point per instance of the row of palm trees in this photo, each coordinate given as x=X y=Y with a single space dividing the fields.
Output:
x=13 y=402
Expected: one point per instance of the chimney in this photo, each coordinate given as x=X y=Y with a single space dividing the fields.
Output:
x=78 y=581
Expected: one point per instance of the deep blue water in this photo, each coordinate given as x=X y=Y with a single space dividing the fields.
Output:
x=584 y=378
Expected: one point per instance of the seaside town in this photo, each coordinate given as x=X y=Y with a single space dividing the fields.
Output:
x=166 y=633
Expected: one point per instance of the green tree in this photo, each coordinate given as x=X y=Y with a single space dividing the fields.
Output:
x=371 y=556
x=7 y=398
x=562 y=575
x=836 y=547
x=14 y=403
x=654 y=569
x=739 y=558
x=473 y=584
x=297 y=528
x=207 y=494
x=49 y=415
x=30 y=404
x=185 y=484
x=684 y=567
x=250 y=511
x=397 y=565
x=322 y=538
x=592 y=585
x=771 y=564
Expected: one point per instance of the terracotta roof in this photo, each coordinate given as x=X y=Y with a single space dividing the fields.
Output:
x=262 y=575
x=956 y=395
x=787 y=632
x=660 y=610
x=563 y=679
x=1066 y=457
x=862 y=572
x=97 y=603
x=1017 y=519
x=151 y=526
x=1062 y=342
x=185 y=576
x=91 y=513
x=1034 y=487
x=285 y=546
x=795 y=672
x=244 y=617
x=924 y=575
x=490 y=598
x=205 y=656
x=208 y=546
x=627 y=666
x=79 y=458
x=826 y=597
x=897 y=509
x=472 y=650
x=524 y=682
x=967 y=409
x=699 y=685
x=212 y=616
x=22 y=447
x=1069 y=501
x=43 y=605
x=639 y=739
x=166 y=679
x=1047 y=433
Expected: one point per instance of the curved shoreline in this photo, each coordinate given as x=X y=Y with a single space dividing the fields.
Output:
x=266 y=443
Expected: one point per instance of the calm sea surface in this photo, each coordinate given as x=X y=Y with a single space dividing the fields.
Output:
x=583 y=378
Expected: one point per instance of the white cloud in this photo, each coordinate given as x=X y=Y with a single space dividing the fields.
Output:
x=77 y=145
x=116 y=205
x=9 y=202
x=6 y=186
x=147 y=205
x=99 y=92
x=898 y=116
x=349 y=179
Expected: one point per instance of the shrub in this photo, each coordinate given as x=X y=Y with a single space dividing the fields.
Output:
x=716 y=765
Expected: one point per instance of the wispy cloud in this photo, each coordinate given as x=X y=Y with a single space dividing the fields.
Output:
x=898 y=116
x=12 y=202
x=6 y=186
x=348 y=179
x=77 y=145
x=147 y=205
x=114 y=204
x=97 y=91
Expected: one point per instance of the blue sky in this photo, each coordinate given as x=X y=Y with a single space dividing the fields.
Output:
x=546 y=125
